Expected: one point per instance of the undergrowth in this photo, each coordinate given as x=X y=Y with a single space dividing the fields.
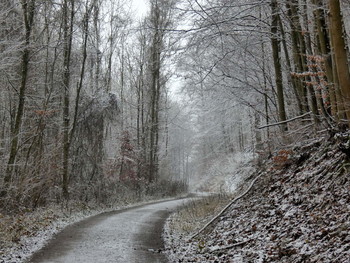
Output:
x=297 y=211
x=197 y=212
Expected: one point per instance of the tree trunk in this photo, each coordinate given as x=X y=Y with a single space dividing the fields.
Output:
x=322 y=40
x=300 y=55
x=339 y=97
x=96 y=20
x=340 y=52
x=297 y=53
x=82 y=71
x=294 y=80
x=275 y=42
x=157 y=42
x=28 y=8
x=67 y=46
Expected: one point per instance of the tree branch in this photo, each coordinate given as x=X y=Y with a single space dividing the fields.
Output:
x=286 y=121
x=230 y=246
x=225 y=209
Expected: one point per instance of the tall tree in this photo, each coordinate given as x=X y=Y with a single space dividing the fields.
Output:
x=67 y=21
x=28 y=9
x=275 y=43
x=324 y=49
x=340 y=52
x=159 y=20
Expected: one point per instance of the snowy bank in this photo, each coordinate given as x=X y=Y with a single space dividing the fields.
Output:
x=297 y=211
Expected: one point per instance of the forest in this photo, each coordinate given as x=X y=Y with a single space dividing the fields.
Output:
x=101 y=105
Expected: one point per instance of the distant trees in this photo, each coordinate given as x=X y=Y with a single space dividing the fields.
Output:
x=79 y=81
x=273 y=65
x=302 y=37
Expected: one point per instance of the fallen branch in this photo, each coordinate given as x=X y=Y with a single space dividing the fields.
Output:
x=230 y=246
x=286 y=121
x=224 y=209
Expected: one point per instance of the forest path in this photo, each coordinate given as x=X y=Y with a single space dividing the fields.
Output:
x=128 y=235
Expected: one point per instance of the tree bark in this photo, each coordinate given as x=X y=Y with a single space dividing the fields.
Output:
x=323 y=44
x=275 y=43
x=156 y=50
x=297 y=52
x=68 y=5
x=340 y=52
x=28 y=8
x=301 y=50
x=294 y=80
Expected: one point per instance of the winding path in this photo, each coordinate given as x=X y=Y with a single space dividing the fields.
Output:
x=129 y=236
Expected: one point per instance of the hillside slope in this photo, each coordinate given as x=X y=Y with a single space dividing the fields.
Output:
x=297 y=211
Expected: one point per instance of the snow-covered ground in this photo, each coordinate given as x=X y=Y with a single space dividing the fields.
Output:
x=39 y=229
x=32 y=230
x=297 y=211
x=128 y=235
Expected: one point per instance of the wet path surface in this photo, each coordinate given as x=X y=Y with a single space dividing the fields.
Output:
x=131 y=235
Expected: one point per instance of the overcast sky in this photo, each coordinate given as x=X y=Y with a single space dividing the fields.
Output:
x=140 y=6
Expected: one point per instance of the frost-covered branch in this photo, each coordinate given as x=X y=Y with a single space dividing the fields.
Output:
x=286 y=121
x=225 y=208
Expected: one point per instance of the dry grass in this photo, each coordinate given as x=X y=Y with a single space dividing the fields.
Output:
x=13 y=228
x=196 y=213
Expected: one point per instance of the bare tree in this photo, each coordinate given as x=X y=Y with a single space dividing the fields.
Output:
x=28 y=9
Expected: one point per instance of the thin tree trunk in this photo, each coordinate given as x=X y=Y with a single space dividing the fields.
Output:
x=294 y=80
x=339 y=97
x=301 y=48
x=297 y=53
x=323 y=44
x=155 y=91
x=28 y=8
x=275 y=42
x=82 y=71
x=98 y=54
x=67 y=45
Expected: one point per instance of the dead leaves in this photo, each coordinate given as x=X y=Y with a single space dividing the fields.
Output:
x=303 y=214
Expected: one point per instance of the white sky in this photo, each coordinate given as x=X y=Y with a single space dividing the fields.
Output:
x=141 y=7
x=175 y=84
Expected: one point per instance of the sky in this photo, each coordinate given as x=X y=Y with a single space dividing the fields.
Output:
x=141 y=7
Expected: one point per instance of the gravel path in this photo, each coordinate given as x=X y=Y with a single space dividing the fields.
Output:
x=129 y=235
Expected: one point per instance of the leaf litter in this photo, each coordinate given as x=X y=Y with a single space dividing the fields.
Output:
x=297 y=211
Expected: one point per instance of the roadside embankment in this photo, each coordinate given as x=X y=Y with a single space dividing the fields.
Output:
x=298 y=210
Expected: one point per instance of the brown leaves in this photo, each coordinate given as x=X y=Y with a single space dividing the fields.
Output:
x=302 y=215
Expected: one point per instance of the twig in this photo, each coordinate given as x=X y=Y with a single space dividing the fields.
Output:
x=286 y=121
x=225 y=208
x=230 y=246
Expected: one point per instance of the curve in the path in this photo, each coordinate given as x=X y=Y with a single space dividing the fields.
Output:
x=131 y=235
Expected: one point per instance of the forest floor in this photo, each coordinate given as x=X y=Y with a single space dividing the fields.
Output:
x=298 y=210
